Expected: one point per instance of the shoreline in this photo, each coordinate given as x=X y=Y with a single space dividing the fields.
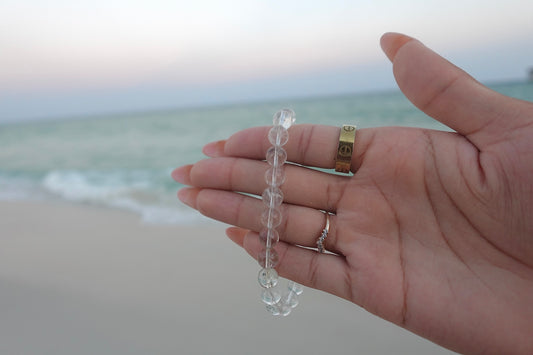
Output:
x=184 y=216
x=80 y=279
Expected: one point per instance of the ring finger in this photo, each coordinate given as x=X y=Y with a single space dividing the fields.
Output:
x=300 y=225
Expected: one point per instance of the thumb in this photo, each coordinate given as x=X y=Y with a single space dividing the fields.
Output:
x=450 y=95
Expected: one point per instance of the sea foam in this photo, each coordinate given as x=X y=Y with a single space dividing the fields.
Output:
x=121 y=189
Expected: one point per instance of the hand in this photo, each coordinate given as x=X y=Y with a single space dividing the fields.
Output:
x=434 y=231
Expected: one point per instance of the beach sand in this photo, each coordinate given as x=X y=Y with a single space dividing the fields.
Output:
x=85 y=280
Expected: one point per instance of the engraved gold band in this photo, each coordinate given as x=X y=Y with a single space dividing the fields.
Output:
x=345 y=149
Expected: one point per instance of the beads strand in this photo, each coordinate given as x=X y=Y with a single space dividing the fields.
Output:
x=276 y=156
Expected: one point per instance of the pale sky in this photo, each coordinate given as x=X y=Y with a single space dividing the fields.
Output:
x=62 y=58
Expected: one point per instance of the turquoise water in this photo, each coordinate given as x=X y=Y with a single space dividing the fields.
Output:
x=125 y=161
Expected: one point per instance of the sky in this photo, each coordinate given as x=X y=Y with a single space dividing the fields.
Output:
x=62 y=58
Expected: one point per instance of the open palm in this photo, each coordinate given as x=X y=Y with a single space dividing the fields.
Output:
x=434 y=231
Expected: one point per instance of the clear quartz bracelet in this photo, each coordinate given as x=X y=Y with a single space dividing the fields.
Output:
x=277 y=303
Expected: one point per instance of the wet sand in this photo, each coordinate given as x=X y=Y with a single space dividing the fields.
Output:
x=86 y=280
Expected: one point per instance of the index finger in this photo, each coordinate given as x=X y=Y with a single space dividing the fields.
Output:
x=309 y=145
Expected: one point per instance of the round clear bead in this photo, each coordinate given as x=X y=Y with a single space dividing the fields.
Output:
x=274 y=309
x=276 y=156
x=291 y=300
x=284 y=117
x=271 y=218
x=295 y=287
x=267 y=278
x=278 y=136
x=272 y=196
x=270 y=296
x=275 y=176
x=269 y=233
x=285 y=310
x=268 y=258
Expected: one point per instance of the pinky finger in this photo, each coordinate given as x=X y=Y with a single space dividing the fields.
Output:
x=237 y=234
x=326 y=272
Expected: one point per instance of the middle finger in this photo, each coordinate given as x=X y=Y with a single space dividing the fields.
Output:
x=303 y=186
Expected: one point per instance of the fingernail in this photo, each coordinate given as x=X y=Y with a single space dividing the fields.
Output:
x=392 y=42
x=214 y=149
x=182 y=174
x=236 y=234
x=186 y=195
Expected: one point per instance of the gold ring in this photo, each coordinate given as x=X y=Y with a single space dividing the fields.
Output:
x=345 y=149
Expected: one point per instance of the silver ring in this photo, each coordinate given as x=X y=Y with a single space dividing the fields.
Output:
x=323 y=236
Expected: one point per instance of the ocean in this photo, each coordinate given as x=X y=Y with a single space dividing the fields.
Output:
x=124 y=161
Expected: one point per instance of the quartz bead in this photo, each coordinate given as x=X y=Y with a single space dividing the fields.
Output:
x=284 y=117
x=269 y=233
x=275 y=176
x=295 y=287
x=271 y=218
x=285 y=310
x=272 y=197
x=274 y=309
x=270 y=296
x=291 y=300
x=267 y=278
x=276 y=156
x=268 y=258
x=278 y=136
